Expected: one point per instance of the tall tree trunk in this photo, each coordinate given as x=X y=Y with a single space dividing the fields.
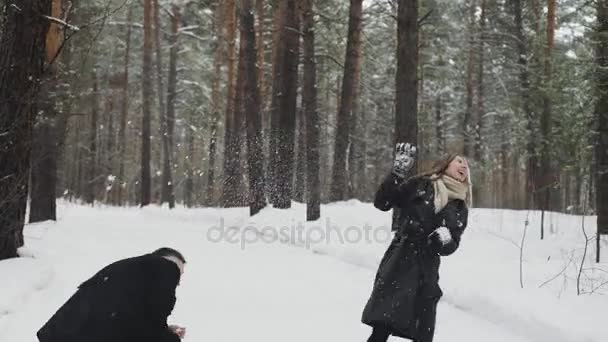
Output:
x=158 y=156
x=189 y=182
x=159 y=65
x=22 y=57
x=355 y=169
x=290 y=37
x=91 y=176
x=124 y=112
x=110 y=139
x=439 y=125
x=480 y=108
x=79 y=153
x=278 y=47
x=299 y=187
x=526 y=104
x=356 y=154
x=233 y=194
x=167 y=192
x=231 y=162
x=63 y=166
x=252 y=103
x=468 y=113
x=406 y=102
x=215 y=101
x=601 y=112
x=43 y=159
x=309 y=100
x=483 y=174
x=260 y=27
x=43 y=162
x=406 y=113
x=546 y=174
x=351 y=69
x=147 y=93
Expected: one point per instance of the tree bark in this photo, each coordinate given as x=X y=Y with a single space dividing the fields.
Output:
x=261 y=63
x=124 y=112
x=147 y=93
x=601 y=112
x=290 y=37
x=299 y=187
x=406 y=102
x=406 y=109
x=63 y=166
x=215 y=101
x=439 y=125
x=252 y=104
x=526 y=103
x=278 y=50
x=167 y=191
x=231 y=160
x=480 y=107
x=189 y=164
x=110 y=140
x=22 y=61
x=309 y=100
x=546 y=174
x=468 y=113
x=158 y=154
x=159 y=65
x=43 y=162
x=91 y=174
x=339 y=177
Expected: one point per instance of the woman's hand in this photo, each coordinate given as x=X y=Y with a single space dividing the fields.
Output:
x=405 y=156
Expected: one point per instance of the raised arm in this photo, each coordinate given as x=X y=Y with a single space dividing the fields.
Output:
x=389 y=192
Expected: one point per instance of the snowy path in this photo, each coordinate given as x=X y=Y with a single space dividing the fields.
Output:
x=265 y=292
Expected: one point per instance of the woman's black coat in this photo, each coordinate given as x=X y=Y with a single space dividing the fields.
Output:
x=127 y=301
x=407 y=280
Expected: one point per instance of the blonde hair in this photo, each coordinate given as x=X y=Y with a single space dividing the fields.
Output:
x=438 y=167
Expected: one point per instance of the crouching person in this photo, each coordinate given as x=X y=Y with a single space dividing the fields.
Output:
x=127 y=301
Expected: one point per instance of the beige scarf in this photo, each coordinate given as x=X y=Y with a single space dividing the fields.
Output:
x=447 y=188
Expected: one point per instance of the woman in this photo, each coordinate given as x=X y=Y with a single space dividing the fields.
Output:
x=433 y=215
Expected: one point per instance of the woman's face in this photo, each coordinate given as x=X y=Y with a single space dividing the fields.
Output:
x=458 y=169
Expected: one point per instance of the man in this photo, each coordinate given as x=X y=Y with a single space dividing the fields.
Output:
x=127 y=301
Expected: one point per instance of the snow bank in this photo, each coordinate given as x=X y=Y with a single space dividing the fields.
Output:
x=483 y=277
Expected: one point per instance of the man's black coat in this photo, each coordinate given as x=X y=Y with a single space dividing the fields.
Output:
x=127 y=301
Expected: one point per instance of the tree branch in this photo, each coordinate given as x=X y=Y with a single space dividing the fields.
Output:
x=425 y=17
x=61 y=23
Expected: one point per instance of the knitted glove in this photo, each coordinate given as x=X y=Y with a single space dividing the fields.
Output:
x=405 y=156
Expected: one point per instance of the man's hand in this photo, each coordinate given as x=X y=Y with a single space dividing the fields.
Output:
x=405 y=155
x=177 y=330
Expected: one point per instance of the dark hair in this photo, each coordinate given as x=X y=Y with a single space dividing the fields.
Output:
x=166 y=251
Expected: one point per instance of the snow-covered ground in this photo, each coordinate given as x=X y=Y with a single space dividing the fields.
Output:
x=274 y=277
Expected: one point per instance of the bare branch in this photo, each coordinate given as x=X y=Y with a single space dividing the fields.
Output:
x=62 y=23
x=425 y=17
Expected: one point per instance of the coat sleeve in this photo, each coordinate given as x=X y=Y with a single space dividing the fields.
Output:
x=456 y=221
x=391 y=192
x=160 y=303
